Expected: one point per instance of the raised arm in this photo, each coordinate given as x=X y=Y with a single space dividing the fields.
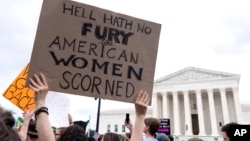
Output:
x=141 y=105
x=39 y=84
x=129 y=125
x=24 y=129
x=70 y=119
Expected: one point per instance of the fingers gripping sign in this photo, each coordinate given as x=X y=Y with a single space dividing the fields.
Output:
x=142 y=98
x=39 y=84
x=141 y=103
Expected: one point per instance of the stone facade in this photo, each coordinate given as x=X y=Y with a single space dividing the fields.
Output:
x=197 y=102
x=111 y=119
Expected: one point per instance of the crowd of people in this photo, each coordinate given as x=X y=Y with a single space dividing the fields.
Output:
x=40 y=129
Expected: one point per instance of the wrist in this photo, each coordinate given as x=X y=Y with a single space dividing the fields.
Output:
x=40 y=104
x=40 y=111
x=26 y=122
x=140 y=116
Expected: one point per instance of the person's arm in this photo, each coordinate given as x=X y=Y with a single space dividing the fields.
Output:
x=39 y=84
x=141 y=105
x=70 y=119
x=24 y=129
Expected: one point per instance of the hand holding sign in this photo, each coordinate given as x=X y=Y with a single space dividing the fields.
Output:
x=141 y=103
x=39 y=84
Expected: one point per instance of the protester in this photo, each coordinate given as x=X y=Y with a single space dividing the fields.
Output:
x=162 y=137
x=26 y=123
x=141 y=106
x=39 y=84
x=151 y=127
x=129 y=125
x=110 y=137
x=32 y=134
x=70 y=119
x=7 y=121
x=74 y=133
x=226 y=131
x=171 y=138
x=59 y=132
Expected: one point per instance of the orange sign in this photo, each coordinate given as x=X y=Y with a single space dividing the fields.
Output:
x=19 y=94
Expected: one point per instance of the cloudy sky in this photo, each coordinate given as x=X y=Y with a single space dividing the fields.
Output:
x=211 y=34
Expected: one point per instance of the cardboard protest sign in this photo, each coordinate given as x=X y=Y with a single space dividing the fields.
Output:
x=19 y=94
x=89 y=51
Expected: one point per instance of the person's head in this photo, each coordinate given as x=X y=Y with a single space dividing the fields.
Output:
x=171 y=138
x=74 y=133
x=225 y=131
x=151 y=125
x=110 y=137
x=7 y=121
x=162 y=137
x=32 y=134
x=59 y=132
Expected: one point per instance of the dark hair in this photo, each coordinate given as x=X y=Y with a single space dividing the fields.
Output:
x=227 y=128
x=7 y=121
x=32 y=132
x=111 y=137
x=91 y=139
x=74 y=133
x=62 y=129
x=153 y=124
x=171 y=138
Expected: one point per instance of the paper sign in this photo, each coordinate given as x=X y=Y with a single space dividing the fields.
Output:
x=89 y=51
x=19 y=94
x=164 y=126
x=58 y=105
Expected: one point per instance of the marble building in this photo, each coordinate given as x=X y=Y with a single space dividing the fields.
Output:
x=197 y=102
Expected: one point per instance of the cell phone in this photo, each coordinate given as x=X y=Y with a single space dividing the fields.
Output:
x=127 y=119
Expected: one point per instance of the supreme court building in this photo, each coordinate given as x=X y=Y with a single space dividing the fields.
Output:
x=197 y=101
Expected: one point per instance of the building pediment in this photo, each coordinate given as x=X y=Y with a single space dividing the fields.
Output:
x=195 y=74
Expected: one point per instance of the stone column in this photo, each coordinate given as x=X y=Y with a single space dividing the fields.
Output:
x=176 y=114
x=212 y=112
x=237 y=105
x=224 y=105
x=155 y=104
x=165 y=105
x=188 y=122
x=200 y=113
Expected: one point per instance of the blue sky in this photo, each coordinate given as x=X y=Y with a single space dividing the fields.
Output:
x=212 y=34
